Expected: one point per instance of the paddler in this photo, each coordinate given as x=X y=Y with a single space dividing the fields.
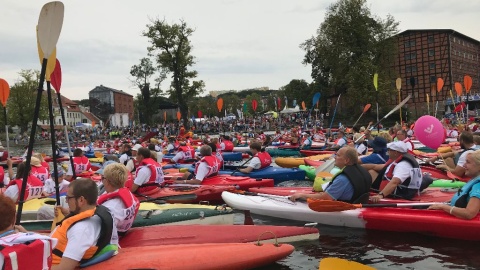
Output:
x=351 y=185
x=80 y=163
x=149 y=174
x=340 y=142
x=34 y=185
x=465 y=203
x=261 y=159
x=208 y=165
x=402 y=136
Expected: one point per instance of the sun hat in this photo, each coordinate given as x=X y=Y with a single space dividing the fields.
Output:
x=35 y=162
x=378 y=143
x=398 y=146
x=136 y=147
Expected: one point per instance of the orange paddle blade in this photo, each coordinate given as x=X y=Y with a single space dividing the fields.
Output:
x=367 y=107
x=4 y=92
x=179 y=115
x=439 y=84
x=467 y=82
x=303 y=105
x=458 y=88
x=330 y=206
x=220 y=104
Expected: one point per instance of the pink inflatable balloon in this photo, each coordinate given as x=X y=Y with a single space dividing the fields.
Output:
x=429 y=131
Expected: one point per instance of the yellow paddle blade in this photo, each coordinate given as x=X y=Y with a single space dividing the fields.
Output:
x=330 y=206
x=57 y=219
x=51 y=62
x=337 y=263
x=98 y=154
x=324 y=174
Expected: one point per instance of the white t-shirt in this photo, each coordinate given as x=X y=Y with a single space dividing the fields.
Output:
x=361 y=148
x=222 y=146
x=463 y=157
x=255 y=163
x=202 y=171
x=142 y=176
x=170 y=147
x=123 y=158
x=402 y=170
x=180 y=155
x=83 y=235
x=12 y=192
x=130 y=165
x=49 y=186
x=341 y=142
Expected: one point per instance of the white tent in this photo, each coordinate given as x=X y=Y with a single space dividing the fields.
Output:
x=290 y=110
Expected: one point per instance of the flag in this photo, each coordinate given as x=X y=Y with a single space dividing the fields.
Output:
x=460 y=107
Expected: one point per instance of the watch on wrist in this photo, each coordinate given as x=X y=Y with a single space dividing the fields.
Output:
x=381 y=194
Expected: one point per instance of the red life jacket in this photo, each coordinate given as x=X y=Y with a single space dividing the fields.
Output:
x=188 y=152
x=228 y=146
x=2 y=174
x=34 y=187
x=129 y=182
x=262 y=137
x=81 y=164
x=407 y=140
x=41 y=173
x=212 y=163
x=156 y=174
x=265 y=159
x=45 y=164
x=4 y=156
x=131 y=207
x=32 y=255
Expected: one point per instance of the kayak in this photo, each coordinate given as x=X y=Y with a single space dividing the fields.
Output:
x=205 y=193
x=277 y=174
x=431 y=222
x=447 y=183
x=96 y=160
x=277 y=152
x=227 y=156
x=196 y=256
x=228 y=181
x=337 y=263
x=289 y=162
x=162 y=214
x=314 y=163
x=309 y=171
x=199 y=234
x=440 y=174
x=316 y=152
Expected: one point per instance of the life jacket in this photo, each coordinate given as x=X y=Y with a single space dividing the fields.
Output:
x=360 y=180
x=188 y=152
x=45 y=164
x=90 y=148
x=34 y=253
x=450 y=133
x=338 y=139
x=81 y=164
x=41 y=173
x=412 y=182
x=265 y=159
x=407 y=140
x=34 y=187
x=129 y=211
x=110 y=150
x=307 y=146
x=366 y=148
x=219 y=157
x=228 y=146
x=105 y=233
x=461 y=198
x=3 y=155
x=2 y=175
x=129 y=182
x=156 y=175
x=262 y=137
x=212 y=163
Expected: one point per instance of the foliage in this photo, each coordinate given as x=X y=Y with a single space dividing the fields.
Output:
x=298 y=90
x=22 y=99
x=349 y=47
x=83 y=102
x=170 y=45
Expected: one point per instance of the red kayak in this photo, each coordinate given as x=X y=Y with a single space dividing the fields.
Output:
x=308 y=153
x=441 y=174
x=205 y=193
x=314 y=163
x=199 y=234
x=241 y=182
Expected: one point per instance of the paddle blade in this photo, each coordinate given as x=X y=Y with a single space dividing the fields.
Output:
x=57 y=219
x=219 y=104
x=458 y=88
x=50 y=62
x=199 y=114
x=254 y=105
x=439 y=84
x=56 y=76
x=303 y=105
x=50 y=24
x=396 y=107
x=367 y=107
x=329 y=206
x=179 y=115
x=398 y=84
x=428 y=98
x=316 y=98
x=467 y=82
x=4 y=92
x=375 y=81
x=165 y=116
x=336 y=263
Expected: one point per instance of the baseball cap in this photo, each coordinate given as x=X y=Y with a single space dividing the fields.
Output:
x=105 y=164
x=398 y=146
x=136 y=147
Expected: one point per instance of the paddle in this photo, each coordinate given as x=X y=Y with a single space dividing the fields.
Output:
x=315 y=100
x=398 y=84
x=4 y=93
x=50 y=24
x=334 y=112
x=336 y=263
x=263 y=149
x=326 y=166
x=365 y=109
x=57 y=83
x=337 y=206
x=171 y=198
x=387 y=115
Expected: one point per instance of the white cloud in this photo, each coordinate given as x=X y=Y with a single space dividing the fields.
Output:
x=238 y=44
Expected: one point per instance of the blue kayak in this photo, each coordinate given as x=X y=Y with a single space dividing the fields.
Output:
x=227 y=156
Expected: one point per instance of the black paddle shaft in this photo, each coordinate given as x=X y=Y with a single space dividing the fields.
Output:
x=52 y=138
x=59 y=97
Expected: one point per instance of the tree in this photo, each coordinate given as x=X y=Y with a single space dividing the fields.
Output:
x=298 y=90
x=21 y=102
x=350 y=46
x=83 y=102
x=170 y=45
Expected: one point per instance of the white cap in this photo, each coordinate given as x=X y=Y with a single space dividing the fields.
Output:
x=136 y=147
x=398 y=146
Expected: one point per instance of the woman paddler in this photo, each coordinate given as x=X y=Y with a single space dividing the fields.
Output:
x=465 y=203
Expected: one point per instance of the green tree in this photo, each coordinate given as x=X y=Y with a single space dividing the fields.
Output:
x=349 y=47
x=249 y=100
x=21 y=102
x=171 y=47
x=298 y=90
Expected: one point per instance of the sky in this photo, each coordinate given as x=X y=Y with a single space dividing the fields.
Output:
x=237 y=44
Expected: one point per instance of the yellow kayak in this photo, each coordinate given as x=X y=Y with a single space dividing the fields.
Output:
x=336 y=263
x=289 y=162
x=96 y=160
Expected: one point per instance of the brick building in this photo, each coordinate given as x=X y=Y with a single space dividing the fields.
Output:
x=427 y=54
x=113 y=107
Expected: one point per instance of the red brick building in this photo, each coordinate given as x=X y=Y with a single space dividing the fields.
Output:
x=427 y=54
x=106 y=102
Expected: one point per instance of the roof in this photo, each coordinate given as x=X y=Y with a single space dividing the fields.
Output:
x=47 y=127
x=102 y=88
x=71 y=106
x=451 y=31
x=91 y=117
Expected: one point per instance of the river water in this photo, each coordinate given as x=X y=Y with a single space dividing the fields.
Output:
x=379 y=249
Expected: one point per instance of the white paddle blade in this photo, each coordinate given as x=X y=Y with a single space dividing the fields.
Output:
x=326 y=167
x=398 y=106
x=50 y=24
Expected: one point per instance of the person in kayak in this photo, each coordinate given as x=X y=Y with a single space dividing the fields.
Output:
x=402 y=136
x=208 y=165
x=17 y=245
x=80 y=164
x=34 y=185
x=226 y=145
x=454 y=162
x=340 y=142
x=261 y=159
x=216 y=153
x=185 y=153
x=465 y=203
x=401 y=173
x=360 y=144
x=149 y=174
x=351 y=185
x=379 y=154
x=86 y=230
x=307 y=141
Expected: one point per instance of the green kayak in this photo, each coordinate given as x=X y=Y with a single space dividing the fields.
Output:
x=447 y=183
x=278 y=152
x=309 y=170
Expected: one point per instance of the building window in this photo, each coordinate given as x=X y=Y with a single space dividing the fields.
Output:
x=433 y=79
x=431 y=52
x=431 y=39
x=432 y=65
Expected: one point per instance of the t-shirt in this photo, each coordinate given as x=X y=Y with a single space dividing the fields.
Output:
x=12 y=192
x=255 y=163
x=123 y=158
x=340 y=189
x=463 y=157
x=402 y=170
x=361 y=148
x=142 y=177
x=341 y=142
x=373 y=158
x=202 y=171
